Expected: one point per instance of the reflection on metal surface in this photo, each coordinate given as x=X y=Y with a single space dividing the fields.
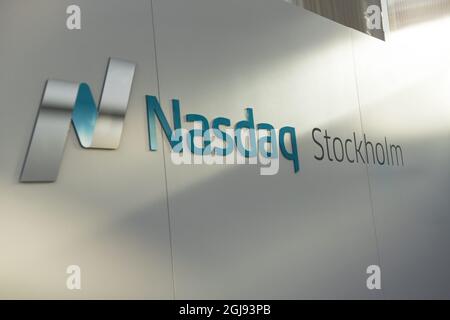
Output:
x=63 y=101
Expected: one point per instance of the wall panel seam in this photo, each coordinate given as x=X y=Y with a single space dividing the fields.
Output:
x=358 y=98
x=163 y=151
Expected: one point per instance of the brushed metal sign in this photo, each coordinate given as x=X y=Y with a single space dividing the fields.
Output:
x=96 y=128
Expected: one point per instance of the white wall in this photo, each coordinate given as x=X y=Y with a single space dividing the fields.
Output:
x=141 y=227
x=107 y=212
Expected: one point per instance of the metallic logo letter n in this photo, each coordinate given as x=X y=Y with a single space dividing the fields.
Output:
x=96 y=128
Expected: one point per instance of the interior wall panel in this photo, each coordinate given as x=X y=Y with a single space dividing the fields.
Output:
x=404 y=95
x=237 y=234
x=107 y=211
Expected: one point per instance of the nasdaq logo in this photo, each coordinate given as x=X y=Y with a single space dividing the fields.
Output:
x=217 y=142
x=64 y=103
x=197 y=141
